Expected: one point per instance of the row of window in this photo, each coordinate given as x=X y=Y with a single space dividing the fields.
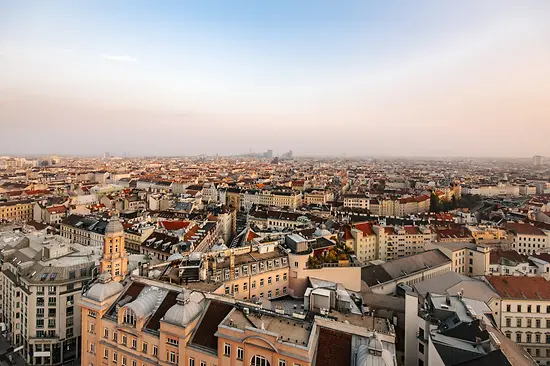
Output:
x=529 y=308
x=278 y=292
x=529 y=323
x=528 y=337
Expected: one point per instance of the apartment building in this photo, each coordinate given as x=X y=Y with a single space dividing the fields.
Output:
x=318 y=197
x=528 y=239
x=246 y=199
x=42 y=277
x=523 y=312
x=361 y=201
x=372 y=242
x=249 y=272
x=136 y=234
x=455 y=330
x=85 y=230
x=467 y=258
x=149 y=323
x=16 y=210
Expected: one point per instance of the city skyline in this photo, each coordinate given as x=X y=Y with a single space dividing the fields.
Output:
x=319 y=78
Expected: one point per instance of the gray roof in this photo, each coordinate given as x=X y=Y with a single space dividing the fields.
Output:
x=104 y=289
x=114 y=226
x=451 y=283
x=415 y=263
x=186 y=309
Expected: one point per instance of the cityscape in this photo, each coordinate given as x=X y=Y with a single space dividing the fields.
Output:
x=275 y=183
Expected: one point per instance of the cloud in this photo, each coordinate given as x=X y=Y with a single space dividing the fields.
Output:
x=119 y=58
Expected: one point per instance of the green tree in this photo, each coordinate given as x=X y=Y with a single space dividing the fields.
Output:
x=435 y=204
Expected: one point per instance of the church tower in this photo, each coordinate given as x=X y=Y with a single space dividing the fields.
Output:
x=114 y=261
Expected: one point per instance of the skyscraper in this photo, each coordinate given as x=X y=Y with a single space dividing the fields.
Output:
x=538 y=160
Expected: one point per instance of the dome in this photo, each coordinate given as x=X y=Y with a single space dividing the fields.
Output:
x=183 y=311
x=114 y=226
x=104 y=289
x=322 y=231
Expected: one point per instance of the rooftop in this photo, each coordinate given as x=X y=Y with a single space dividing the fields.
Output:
x=520 y=287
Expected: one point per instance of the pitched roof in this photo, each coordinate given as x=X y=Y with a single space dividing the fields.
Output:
x=523 y=229
x=333 y=345
x=205 y=334
x=174 y=225
x=520 y=287
x=365 y=227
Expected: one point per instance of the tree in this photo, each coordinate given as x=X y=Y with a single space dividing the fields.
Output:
x=434 y=203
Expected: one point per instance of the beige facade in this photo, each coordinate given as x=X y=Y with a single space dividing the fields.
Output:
x=16 y=210
x=468 y=259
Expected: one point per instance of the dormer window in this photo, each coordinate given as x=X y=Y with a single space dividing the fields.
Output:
x=129 y=317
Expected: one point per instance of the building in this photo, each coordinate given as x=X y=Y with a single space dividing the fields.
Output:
x=135 y=235
x=455 y=330
x=150 y=323
x=384 y=278
x=247 y=273
x=523 y=312
x=357 y=201
x=538 y=160
x=42 y=277
x=16 y=210
x=318 y=197
x=467 y=258
x=85 y=230
x=528 y=239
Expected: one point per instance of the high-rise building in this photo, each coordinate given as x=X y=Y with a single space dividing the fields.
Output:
x=538 y=160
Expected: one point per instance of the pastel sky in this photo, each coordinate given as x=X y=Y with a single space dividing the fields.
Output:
x=368 y=78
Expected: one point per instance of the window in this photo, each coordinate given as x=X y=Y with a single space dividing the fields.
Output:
x=421 y=348
x=123 y=360
x=269 y=280
x=191 y=361
x=529 y=322
x=172 y=357
x=173 y=341
x=129 y=317
x=203 y=363
x=508 y=322
x=537 y=323
x=295 y=264
x=282 y=363
x=277 y=278
x=245 y=286
x=518 y=322
x=155 y=351
x=92 y=348
x=508 y=308
x=518 y=337
x=253 y=284
x=134 y=363
x=519 y=308
x=106 y=354
x=115 y=337
x=262 y=282
x=226 y=349
x=240 y=354
x=284 y=276
x=547 y=338
x=144 y=347
x=91 y=328
x=259 y=361
x=134 y=343
x=124 y=340
x=537 y=338
x=529 y=336
x=538 y=308
x=105 y=333
x=528 y=308
x=269 y=294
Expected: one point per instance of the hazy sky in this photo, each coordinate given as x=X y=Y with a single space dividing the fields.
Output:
x=464 y=77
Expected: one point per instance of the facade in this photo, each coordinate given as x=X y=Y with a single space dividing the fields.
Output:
x=528 y=239
x=85 y=230
x=466 y=258
x=42 y=277
x=136 y=235
x=523 y=312
x=361 y=201
x=16 y=210
x=318 y=197
x=248 y=273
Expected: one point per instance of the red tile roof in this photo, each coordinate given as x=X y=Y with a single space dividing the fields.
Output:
x=411 y=230
x=174 y=225
x=523 y=229
x=251 y=235
x=520 y=287
x=497 y=255
x=365 y=227
x=57 y=209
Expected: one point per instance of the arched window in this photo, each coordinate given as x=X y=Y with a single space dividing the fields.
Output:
x=259 y=361
x=129 y=317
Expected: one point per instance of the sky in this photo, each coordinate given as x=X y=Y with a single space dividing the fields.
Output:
x=360 y=78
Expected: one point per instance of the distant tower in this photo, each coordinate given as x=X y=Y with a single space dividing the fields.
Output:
x=538 y=160
x=114 y=260
x=106 y=155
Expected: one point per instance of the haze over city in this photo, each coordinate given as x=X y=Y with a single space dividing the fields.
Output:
x=430 y=78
